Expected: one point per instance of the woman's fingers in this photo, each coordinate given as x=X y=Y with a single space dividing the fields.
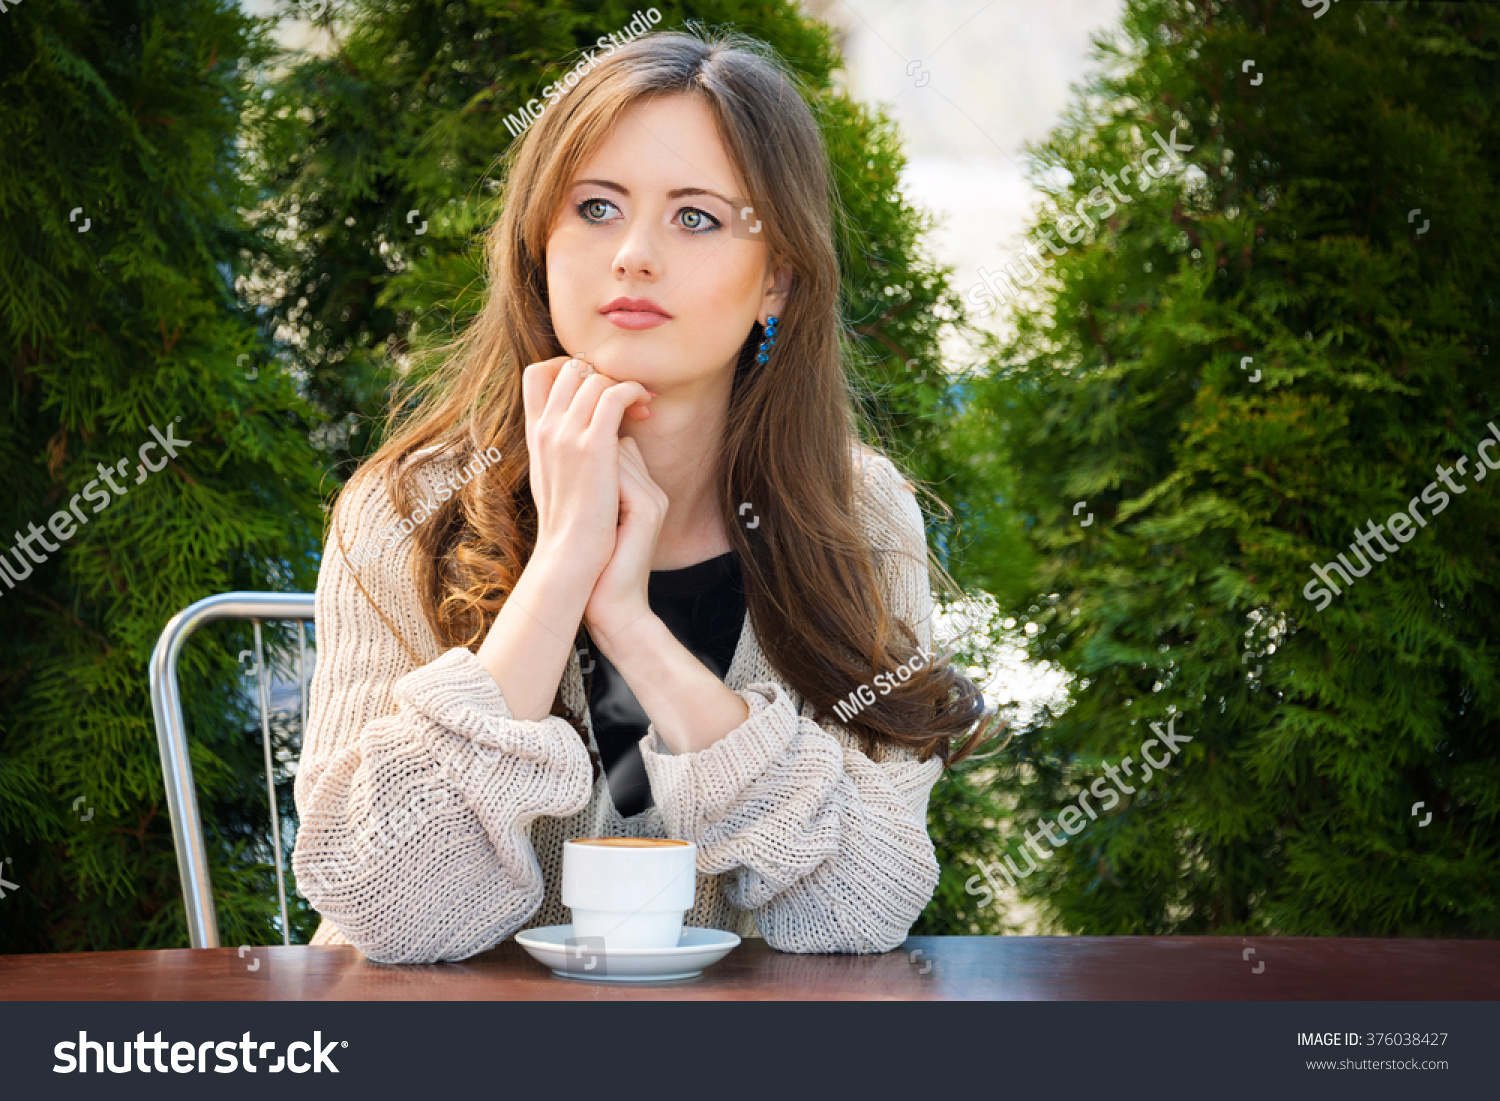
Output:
x=573 y=419
x=610 y=409
x=563 y=387
x=576 y=387
x=576 y=417
x=633 y=473
x=630 y=460
x=539 y=385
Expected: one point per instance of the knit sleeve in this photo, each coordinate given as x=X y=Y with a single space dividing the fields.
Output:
x=416 y=785
x=825 y=845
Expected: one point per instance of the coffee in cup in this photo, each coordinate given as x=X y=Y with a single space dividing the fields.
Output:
x=632 y=892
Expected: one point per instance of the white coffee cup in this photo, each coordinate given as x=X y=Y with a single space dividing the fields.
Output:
x=630 y=891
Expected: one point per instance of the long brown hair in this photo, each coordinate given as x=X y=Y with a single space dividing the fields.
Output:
x=811 y=587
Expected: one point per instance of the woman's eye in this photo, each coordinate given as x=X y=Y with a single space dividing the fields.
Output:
x=699 y=225
x=587 y=208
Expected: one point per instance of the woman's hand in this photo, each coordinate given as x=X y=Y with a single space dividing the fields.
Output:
x=620 y=593
x=573 y=437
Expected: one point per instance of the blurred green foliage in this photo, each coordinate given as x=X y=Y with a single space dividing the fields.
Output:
x=122 y=244
x=1274 y=344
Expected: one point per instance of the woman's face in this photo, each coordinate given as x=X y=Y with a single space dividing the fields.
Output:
x=650 y=215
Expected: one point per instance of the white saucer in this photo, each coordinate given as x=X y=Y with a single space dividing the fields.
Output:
x=696 y=949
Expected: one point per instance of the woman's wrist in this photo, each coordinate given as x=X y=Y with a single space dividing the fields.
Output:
x=690 y=707
x=618 y=640
x=527 y=647
x=561 y=558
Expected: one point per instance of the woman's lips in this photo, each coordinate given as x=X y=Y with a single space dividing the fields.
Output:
x=635 y=319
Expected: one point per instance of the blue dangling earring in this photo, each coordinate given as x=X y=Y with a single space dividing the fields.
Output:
x=764 y=354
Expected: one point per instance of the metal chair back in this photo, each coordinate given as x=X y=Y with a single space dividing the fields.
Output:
x=171 y=736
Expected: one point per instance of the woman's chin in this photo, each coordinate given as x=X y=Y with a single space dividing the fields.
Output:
x=622 y=369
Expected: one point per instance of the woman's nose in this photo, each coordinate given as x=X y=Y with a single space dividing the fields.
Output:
x=638 y=250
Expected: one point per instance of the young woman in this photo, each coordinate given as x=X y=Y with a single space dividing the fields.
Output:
x=634 y=556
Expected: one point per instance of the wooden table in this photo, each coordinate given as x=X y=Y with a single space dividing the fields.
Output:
x=924 y=968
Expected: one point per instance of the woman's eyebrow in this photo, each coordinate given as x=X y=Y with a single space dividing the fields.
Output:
x=675 y=193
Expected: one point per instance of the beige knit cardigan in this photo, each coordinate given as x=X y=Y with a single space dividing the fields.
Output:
x=432 y=821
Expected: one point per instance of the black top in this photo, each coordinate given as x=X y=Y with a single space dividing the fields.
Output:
x=704 y=607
